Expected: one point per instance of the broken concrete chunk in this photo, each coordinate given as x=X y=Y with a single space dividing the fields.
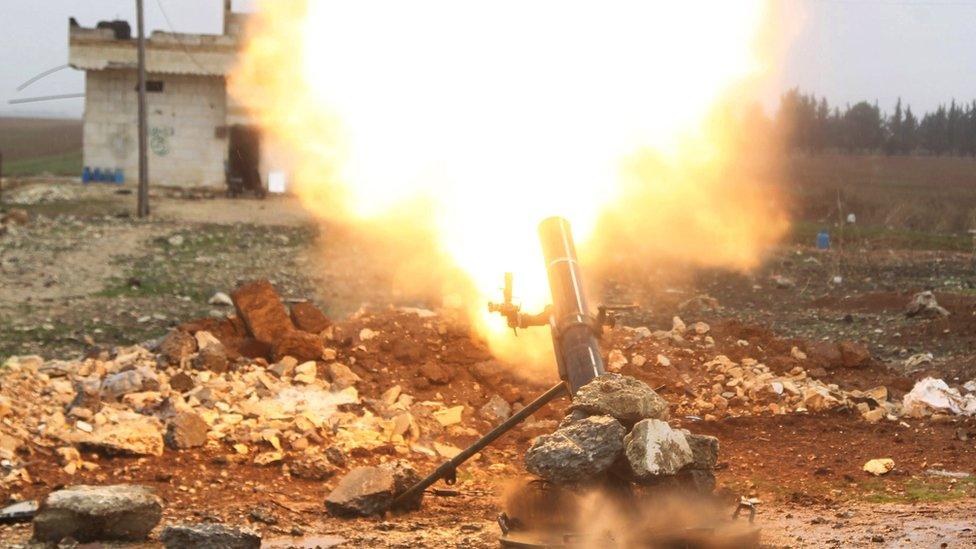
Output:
x=209 y=536
x=435 y=373
x=262 y=311
x=878 y=467
x=654 y=449
x=624 y=398
x=300 y=345
x=94 y=513
x=580 y=451
x=853 y=355
x=368 y=491
x=309 y=318
x=186 y=430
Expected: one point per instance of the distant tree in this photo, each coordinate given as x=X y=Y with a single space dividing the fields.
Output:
x=893 y=143
x=862 y=124
x=909 y=131
x=933 y=131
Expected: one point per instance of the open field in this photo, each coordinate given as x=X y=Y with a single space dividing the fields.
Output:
x=32 y=146
x=83 y=277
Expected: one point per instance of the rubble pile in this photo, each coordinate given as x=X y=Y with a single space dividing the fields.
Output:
x=709 y=385
x=618 y=428
x=312 y=404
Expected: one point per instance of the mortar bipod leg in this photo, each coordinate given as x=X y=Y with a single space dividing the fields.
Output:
x=449 y=468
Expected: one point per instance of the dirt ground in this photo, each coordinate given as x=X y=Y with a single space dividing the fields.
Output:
x=83 y=274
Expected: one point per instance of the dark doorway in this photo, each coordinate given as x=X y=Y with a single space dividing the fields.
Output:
x=243 y=159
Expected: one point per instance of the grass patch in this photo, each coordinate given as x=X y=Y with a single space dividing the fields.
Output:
x=68 y=163
x=918 y=490
x=805 y=232
x=208 y=258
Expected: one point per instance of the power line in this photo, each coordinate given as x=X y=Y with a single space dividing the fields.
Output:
x=41 y=75
x=44 y=98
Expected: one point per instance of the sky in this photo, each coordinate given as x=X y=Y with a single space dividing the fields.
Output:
x=923 y=51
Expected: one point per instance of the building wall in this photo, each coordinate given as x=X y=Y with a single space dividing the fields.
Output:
x=184 y=147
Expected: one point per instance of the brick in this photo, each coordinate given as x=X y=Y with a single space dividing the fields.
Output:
x=262 y=311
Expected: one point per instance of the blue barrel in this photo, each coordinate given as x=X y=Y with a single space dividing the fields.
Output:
x=96 y=174
x=86 y=175
x=823 y=240
x=108 y=175
x=119 y=176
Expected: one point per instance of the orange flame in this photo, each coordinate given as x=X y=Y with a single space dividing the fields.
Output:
x=467 y=123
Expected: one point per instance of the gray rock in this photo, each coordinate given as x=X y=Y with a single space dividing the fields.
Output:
x=572 y=417
x=704 y=451
x=584 y=449
x=368 y=491
x=186 y=430
x=654 y=449
x=624 y=398
x=129 y=381
x=209 y=536
x=93 y=513
x=924 y=305
x=497 y=409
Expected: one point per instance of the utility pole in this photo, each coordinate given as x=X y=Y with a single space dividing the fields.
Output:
x=143 y=204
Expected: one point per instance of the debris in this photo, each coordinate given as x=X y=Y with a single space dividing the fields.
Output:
x=212 y=357
x=220 y=298
x=342 y=376
x=924 y=305
x=663 y=361
x=209 y=536
x=917 y=361
x=177 y=346
x=624 y=398
x=309 y=318
x=653 y=449
x=934 y=395
x=262 y=311
x=704 y=451
x=853 y=355
x=368 y=491
x=300 y=345
x=616 y=360
x=496 y=410
x=130 y=433
x=94 y=513
x=305 y=372
x=313 y=467
x=878 y=467
x=577 y=452
x=449 y=416
x=782 y=282
x=186 y=430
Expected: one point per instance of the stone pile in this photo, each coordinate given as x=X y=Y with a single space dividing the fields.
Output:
x=617 y=428
x=302 y=411
x=713 y=386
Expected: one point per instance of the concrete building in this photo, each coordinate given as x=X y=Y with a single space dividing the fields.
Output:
x=193 y=127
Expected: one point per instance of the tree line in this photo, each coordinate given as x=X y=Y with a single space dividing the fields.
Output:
x=810 y=124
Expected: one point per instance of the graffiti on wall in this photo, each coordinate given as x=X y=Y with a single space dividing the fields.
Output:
x=159 y=139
